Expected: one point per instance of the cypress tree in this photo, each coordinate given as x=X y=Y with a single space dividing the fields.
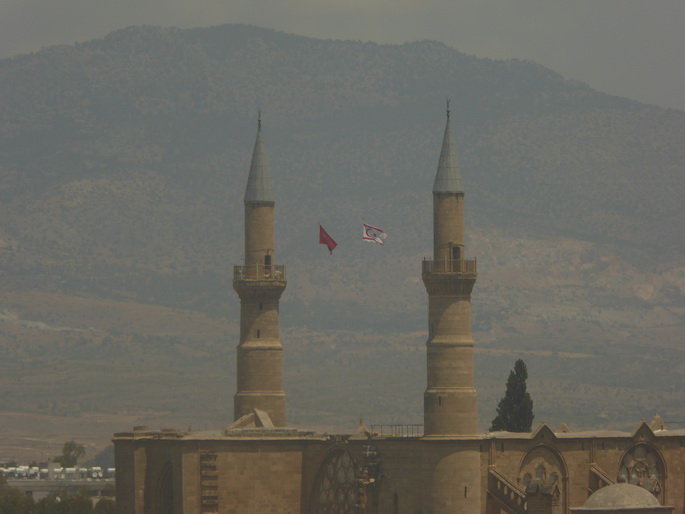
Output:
x=515 y=410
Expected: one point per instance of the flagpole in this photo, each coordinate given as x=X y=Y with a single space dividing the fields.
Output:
x=361 y=242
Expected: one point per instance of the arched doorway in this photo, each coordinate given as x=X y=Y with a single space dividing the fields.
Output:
x=163 y=499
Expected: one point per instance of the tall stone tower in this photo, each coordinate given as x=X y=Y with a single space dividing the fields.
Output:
x=450 y=399
x=259 y=283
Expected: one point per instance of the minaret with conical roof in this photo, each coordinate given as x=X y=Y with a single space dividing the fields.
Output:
x=450 y=397
x=260 y=283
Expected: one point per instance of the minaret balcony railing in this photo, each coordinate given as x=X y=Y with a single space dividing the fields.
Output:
x=397 y=430
x=450 y=266
x=259 y=272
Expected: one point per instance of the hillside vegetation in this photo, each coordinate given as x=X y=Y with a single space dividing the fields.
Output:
x=123 y=162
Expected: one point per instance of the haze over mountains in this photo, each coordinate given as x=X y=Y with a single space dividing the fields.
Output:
x=123 y=162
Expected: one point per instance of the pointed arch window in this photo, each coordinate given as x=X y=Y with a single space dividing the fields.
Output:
x=336 y=489
x=642 y=465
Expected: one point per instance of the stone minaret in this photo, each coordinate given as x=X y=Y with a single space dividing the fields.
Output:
x=259 y=283
x=450 y=398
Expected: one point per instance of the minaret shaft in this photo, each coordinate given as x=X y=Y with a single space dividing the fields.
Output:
x=259 y=233
x=260 y=283
x=450 y=407
x=448 y=226
x=260 y=353
x=450 y=398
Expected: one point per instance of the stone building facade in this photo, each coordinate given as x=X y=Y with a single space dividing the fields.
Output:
x=259 y=465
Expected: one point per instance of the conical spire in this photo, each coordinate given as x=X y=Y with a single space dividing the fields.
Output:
x=259 y=188
x=448 y=177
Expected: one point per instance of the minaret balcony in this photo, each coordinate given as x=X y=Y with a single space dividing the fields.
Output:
x=449 y=277
x=260 y=272
x=462 y=266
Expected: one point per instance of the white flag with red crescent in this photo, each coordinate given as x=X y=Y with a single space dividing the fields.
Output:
x=373 y=234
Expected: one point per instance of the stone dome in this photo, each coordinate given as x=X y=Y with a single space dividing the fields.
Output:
x=621 y=496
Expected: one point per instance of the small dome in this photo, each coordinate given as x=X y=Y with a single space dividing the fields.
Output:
x=619 y=496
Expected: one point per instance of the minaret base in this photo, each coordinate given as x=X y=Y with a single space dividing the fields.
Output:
x=272 y=402
x=453 y=470
x=450 y=412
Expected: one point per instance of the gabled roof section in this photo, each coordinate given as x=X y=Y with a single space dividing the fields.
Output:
x=643 y=432
x=259 y=188
x=448 y=177
x=657 y=423
x=544 y=433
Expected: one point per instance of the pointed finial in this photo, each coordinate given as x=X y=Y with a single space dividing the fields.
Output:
x=259 y=119
x=448 y=177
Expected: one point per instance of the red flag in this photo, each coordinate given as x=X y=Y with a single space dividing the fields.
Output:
x=325 y=239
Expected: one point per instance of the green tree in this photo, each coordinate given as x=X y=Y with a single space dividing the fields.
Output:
x=515 y=410
x=64 y=503
x=71 y=453
x=104 y=506
x=13 y=501
x=104 y=459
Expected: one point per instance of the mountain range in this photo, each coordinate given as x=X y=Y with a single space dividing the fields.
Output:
x=123 y=162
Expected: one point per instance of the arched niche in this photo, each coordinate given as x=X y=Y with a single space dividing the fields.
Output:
x=159 y=498
x=543 y=472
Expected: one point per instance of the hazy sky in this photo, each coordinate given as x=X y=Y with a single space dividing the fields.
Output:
x=632 y=48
